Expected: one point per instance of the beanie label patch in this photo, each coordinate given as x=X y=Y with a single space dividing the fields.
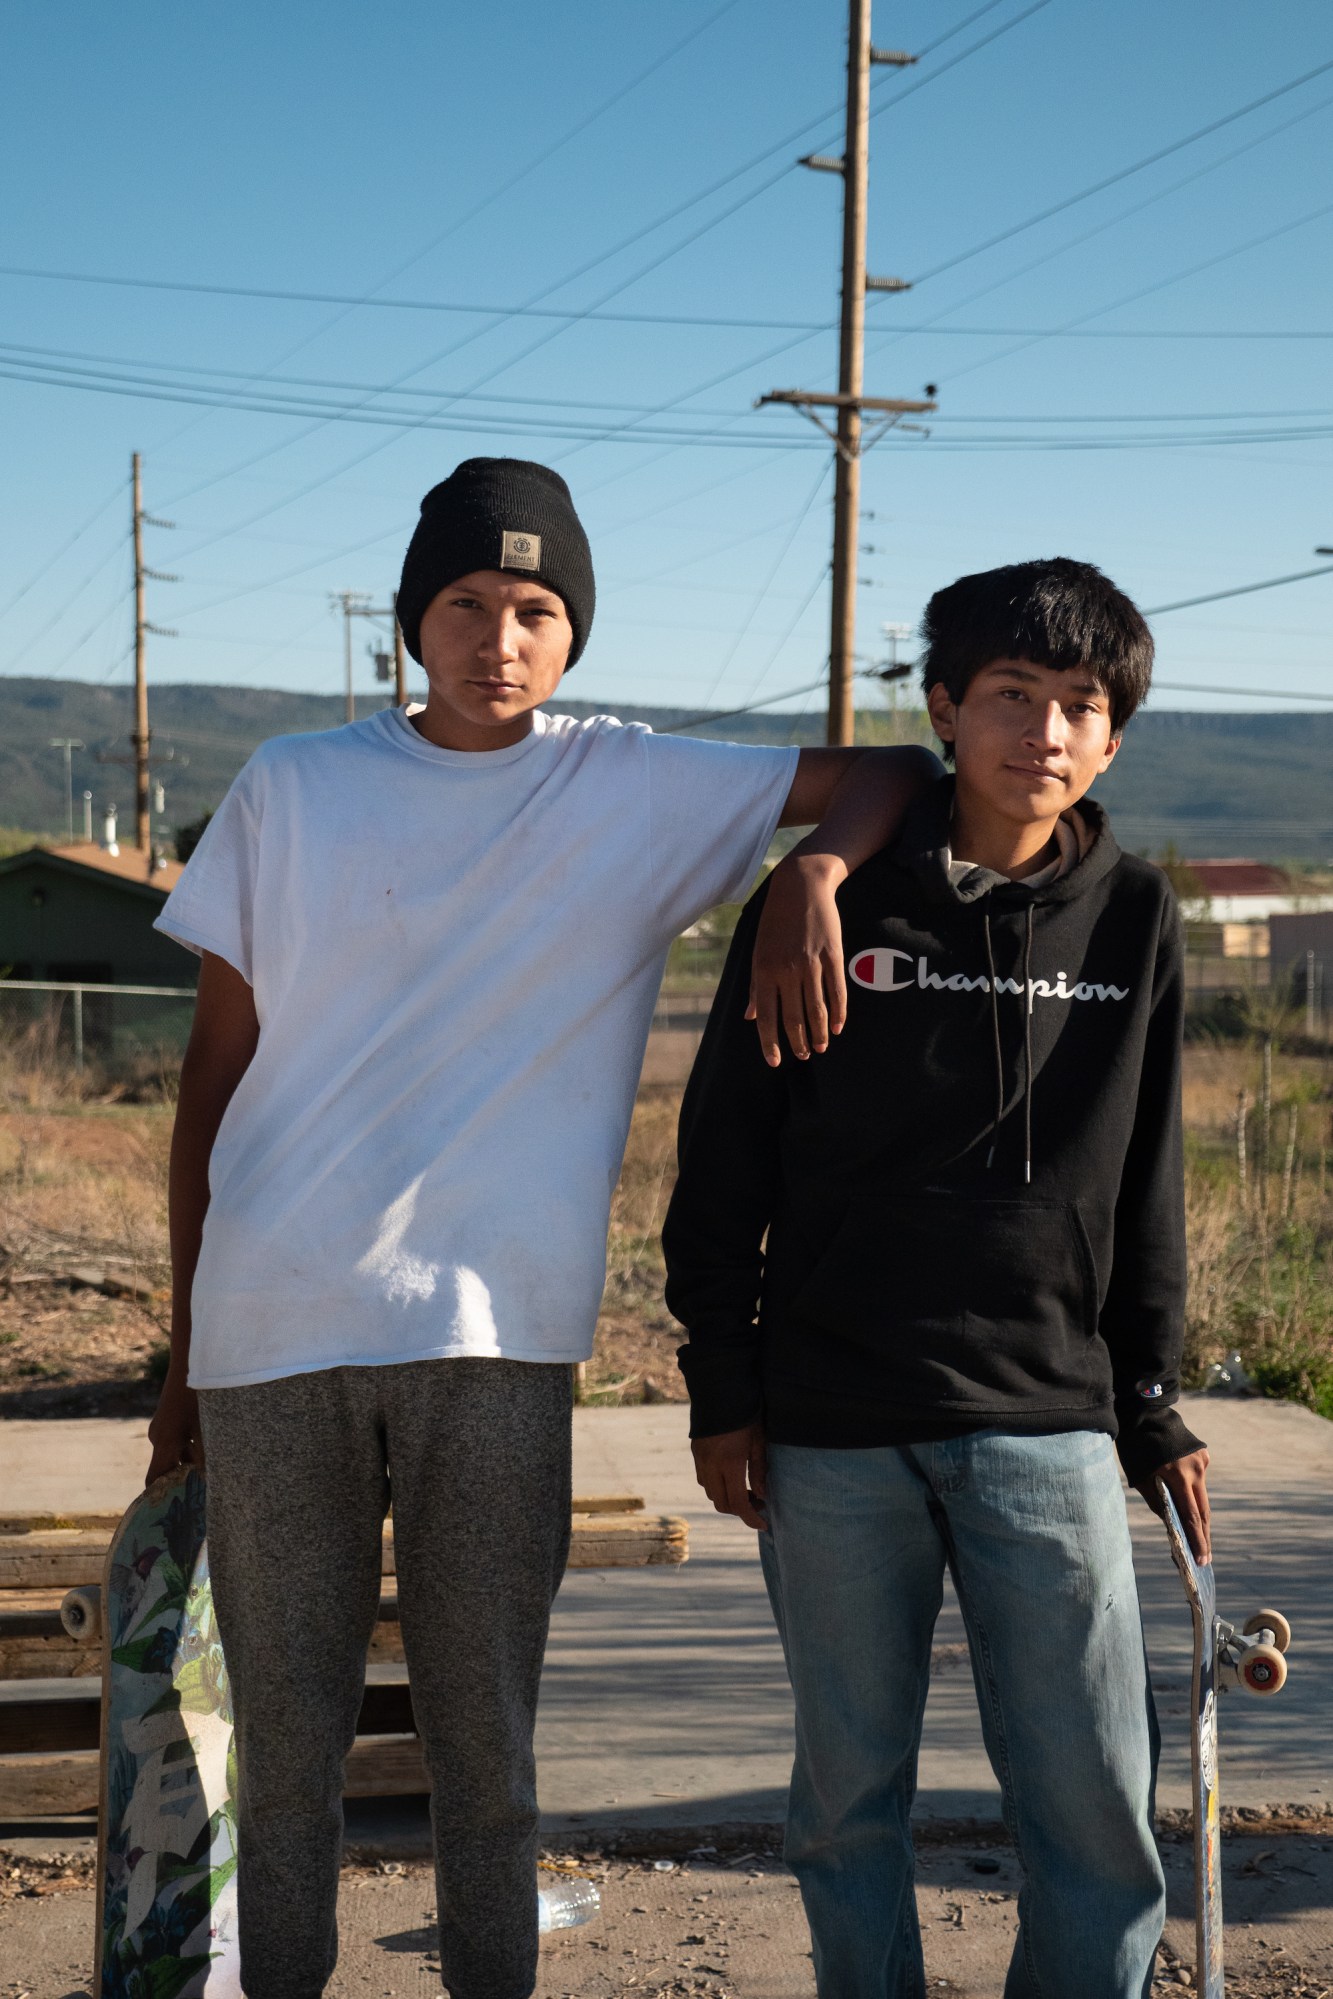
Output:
x=520 y=551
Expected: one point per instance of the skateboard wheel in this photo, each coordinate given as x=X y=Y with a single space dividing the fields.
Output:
x=81 y=1614
x=1263 y=1670
x=1274 y=1621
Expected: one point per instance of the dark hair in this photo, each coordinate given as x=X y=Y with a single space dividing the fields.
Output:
x=1057 y=613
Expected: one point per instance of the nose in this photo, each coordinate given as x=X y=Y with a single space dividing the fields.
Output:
x=1046 y=728
x=499 y=645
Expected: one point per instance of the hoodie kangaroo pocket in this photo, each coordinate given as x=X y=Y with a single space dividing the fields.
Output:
x=957 y=1302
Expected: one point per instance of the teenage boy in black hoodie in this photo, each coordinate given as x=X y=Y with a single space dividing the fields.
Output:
x=973 y=1280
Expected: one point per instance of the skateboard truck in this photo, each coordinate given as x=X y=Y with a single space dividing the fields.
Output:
x=1252 y=1657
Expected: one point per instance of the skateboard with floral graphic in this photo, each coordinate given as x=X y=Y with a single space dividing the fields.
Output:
x=1252 y=1659
x=166 y=1876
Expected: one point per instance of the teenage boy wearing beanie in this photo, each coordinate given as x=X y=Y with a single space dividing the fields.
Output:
x=973 y=1281
x=432 y=943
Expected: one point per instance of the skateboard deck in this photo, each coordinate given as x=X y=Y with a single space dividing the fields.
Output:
x=1252 y=1658
x=166 y=1874
x=1201 y=1589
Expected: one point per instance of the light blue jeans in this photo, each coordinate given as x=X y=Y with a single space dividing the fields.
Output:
x=1033 y=1530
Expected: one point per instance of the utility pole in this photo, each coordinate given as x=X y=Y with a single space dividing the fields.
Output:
x=849 y=439
x=357 y=604
x=68 y=744
x=399 y=659
x=142 y=736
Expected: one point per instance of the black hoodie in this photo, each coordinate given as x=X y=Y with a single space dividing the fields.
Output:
x=974 y=1199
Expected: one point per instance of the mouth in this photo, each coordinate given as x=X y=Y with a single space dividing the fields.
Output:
x=496 y=688
x=1036 y=773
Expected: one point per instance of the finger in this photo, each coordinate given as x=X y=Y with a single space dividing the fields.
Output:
x=766 y=1021
x=1205 y=1517
x=793 y=1016
x=816 y=1012
x=739 y=1500
x=759 y=1470
x=1195 y=1532
x=835 y=988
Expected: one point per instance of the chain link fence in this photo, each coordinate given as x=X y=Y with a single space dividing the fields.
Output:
x=120 y=1033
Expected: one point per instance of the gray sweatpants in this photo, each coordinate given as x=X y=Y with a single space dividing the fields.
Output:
x=300 y=1471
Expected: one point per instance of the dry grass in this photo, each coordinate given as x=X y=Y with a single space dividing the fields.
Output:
x=83 y=1182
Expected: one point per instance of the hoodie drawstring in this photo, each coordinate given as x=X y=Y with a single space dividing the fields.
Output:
x=1027 y=1052
x=992 y=982
x=995 y=1036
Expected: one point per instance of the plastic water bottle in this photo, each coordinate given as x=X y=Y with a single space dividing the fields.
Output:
x=567 y=1904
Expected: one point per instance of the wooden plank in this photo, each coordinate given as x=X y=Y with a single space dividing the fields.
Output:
x=98 y=1519
x=43 y=1523
x=58 y=1558
x=60 y=1657
x=73 y=1557
x=384 y=1766
x=644 y=1541
x=74 y=1721
x=50 y=1785
x=598 y=1541
x=48 y=1659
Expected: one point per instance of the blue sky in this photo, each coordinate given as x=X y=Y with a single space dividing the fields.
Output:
x=348 y=151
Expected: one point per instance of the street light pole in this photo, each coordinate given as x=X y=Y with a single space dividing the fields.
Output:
x=68 y=744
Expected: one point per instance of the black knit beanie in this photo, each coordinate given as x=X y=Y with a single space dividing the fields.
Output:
x=498 y=513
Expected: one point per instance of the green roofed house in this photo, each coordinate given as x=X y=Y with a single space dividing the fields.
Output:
x=81 y=916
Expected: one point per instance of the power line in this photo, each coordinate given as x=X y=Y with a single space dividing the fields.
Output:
x=1123 y=173
x=1162 y=284
x=729 y=323
x=769 y=581
x=1238 y=590
x=566 y=138
x=61 y=552
x=1110 y=222
x=494 y=195
x=604 y=257
x=1245 y=693
x=709 y=434
x=55 y=356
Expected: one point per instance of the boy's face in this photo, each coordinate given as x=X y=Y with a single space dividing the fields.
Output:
x=1028 y=740
x=494 y=647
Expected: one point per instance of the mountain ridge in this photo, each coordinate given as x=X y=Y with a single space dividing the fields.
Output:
x=1204 y=783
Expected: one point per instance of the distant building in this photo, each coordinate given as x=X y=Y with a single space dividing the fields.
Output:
x=1251 y=892
x=81 y=915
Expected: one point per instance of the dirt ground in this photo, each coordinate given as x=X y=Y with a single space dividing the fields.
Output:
x=726 y=1926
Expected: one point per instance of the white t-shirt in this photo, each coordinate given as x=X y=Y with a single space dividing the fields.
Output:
x=454 y=960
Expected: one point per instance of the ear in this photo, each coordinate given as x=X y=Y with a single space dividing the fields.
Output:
x=1109 y=757
x=943 y=712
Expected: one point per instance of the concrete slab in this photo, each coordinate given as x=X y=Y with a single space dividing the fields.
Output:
x=665 y=1699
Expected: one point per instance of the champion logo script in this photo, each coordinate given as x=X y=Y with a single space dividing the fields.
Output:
x=888 y=971
x=520 y=551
